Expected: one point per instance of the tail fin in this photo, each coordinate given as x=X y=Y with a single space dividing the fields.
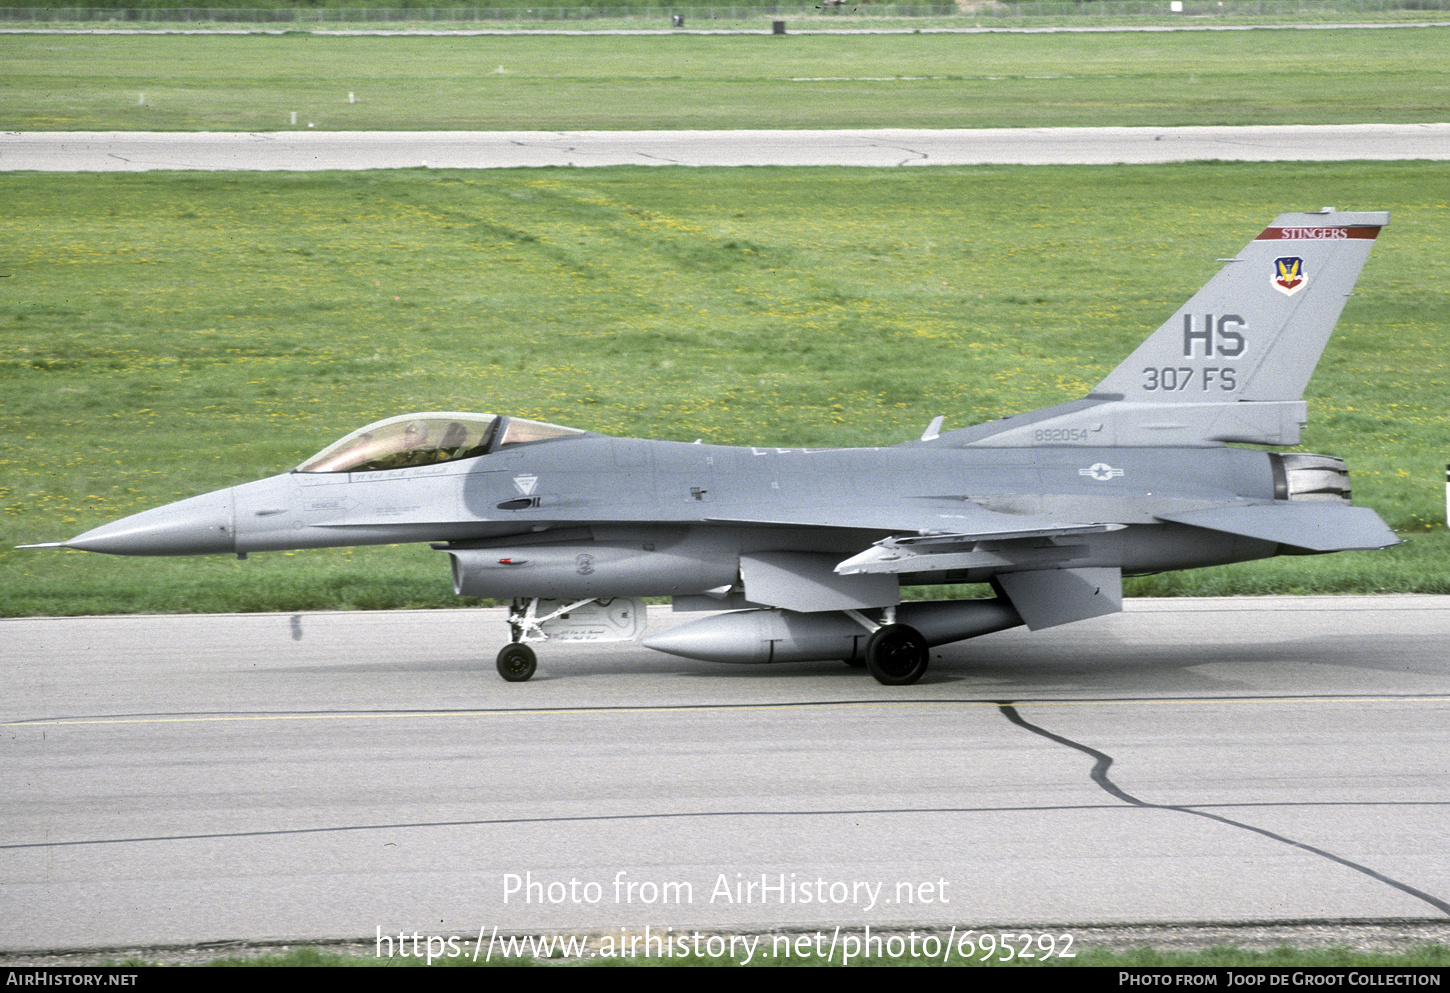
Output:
x=1231 y=365
x=1256 y=331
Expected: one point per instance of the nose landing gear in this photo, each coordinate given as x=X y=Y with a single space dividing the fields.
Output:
x=516 y=663
x=595 y=619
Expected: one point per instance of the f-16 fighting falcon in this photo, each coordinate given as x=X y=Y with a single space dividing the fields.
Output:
x=800 y=554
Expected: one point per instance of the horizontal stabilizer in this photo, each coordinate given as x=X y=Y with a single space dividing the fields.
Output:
x=1312 y=526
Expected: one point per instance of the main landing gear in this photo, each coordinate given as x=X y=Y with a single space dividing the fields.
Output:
x=897 y=655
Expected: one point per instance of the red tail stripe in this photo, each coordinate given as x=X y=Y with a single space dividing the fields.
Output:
x=1308 y=233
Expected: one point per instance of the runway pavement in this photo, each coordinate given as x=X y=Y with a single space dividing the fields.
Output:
x=174 y=779
x=59 y=151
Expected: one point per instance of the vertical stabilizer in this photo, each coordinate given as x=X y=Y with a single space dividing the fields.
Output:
x=1256 y=331
x=1231 y=365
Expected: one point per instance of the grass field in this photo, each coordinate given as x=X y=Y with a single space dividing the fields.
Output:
x=166 y=334
x=255 y=83
x=754 y=20
x=325 y=15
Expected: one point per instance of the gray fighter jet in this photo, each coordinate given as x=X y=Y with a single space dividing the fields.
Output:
x=800 y=554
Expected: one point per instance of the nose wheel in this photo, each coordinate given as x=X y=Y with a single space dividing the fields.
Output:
x=516 y=663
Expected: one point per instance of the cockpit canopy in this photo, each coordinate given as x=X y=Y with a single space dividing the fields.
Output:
x=427 y=439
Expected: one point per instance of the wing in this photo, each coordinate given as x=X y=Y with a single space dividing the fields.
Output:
x=916 y=541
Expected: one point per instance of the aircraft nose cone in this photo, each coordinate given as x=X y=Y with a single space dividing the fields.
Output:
x=201 y=525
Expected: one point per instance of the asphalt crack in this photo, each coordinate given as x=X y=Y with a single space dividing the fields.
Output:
x=1103 y=761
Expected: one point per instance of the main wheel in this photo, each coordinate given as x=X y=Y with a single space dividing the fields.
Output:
x=516 y=662
x=897 y=655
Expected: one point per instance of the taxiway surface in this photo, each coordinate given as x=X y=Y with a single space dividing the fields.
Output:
x=100 y=151
x=177 y=779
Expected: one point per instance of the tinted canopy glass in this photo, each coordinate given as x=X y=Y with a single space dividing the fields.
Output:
x=427 y=439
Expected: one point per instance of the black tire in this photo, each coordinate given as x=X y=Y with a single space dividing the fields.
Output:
x=516 y=663
x=897 y=655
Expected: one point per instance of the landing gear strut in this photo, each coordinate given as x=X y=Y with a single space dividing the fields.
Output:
x=517 y=662
x=897 y=655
